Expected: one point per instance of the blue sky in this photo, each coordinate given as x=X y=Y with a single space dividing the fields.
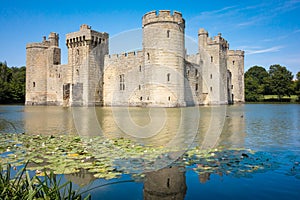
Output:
x=267 y=30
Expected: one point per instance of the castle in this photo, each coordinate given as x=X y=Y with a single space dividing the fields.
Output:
x=160 y=75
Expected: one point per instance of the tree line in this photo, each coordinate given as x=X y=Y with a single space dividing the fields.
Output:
x=12 y=84
x=278 y=80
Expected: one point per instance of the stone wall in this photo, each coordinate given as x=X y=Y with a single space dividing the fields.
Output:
x=86 y=51
x=39 y=59
x=164 y=53
x=235 y=64
x=161 y=74
x=124 y=76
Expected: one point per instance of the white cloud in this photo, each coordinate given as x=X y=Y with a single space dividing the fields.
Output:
x=268 y=50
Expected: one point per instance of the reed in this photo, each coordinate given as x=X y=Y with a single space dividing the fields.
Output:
x=22 y=186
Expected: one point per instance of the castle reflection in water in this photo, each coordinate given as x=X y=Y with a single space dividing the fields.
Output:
x=207 y=127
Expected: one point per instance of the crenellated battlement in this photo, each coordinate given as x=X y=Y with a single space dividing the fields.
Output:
x=86 y=36
x=235 y=53
x=125 y=55
x=163 y=16
x=161 y=74
x=52 y=41
x=206 y=40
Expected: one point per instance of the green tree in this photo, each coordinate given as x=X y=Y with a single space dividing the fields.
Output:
x=255 y=83
x=17 y=84
x=4 y=82
x=297 y=85
x=280 y=81
x=12 y=84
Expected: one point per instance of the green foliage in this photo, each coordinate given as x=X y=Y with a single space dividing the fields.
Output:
x=255 y=79
x=277 y=81
x=297 y=85
x=12 y=84
x=22 y=186
x=280 y=81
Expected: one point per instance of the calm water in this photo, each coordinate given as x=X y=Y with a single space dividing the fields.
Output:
x=272 y=130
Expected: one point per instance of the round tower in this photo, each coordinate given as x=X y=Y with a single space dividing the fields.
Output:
x=164 y=52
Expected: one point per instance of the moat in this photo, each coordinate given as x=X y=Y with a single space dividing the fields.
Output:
x=246 y=151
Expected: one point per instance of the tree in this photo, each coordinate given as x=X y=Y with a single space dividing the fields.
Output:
x=4 y=82
x=12 y=84
x=280 y=81
x=255 y=83
x=17 y=84
x=297 y=85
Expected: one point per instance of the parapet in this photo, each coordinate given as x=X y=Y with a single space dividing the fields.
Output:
x=125 y=55
x=163 y=16
x=86 y=35
x=202 y=31
x=235 y=53
x=52 y=41
x=85 y=26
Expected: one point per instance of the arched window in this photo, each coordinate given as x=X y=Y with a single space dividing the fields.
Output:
x=233 y=62
x=169 y=98
x=33 y=84
x=141 y=98
x=148 y=56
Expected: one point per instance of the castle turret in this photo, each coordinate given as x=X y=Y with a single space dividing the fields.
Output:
x=164 y=52
x=213 y=62
x=40 y=58
x=202 y=37
x=53 y=39
x=86 y=51
x=235 y=64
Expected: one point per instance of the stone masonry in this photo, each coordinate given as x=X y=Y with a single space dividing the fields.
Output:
x=159 y=75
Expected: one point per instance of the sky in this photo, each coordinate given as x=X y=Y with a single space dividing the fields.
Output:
x=267 y=30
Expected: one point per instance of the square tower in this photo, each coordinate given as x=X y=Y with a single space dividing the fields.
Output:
x=86 y=51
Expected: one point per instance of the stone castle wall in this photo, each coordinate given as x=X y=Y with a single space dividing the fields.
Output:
x=161 y=74
x=164 y=48
x=235 y=64
x=124 y=76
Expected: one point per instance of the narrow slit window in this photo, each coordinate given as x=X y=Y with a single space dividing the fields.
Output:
x=122 y=82
x=168 y=33
x=148 y=56
x=196 y=72
x=33 y=84
x=169 y=98
x=210 y=76
x=140 y=68
x=233 y=62
x=211 y=59
x=168 y=77
x=211 y=89
x=196 y=87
